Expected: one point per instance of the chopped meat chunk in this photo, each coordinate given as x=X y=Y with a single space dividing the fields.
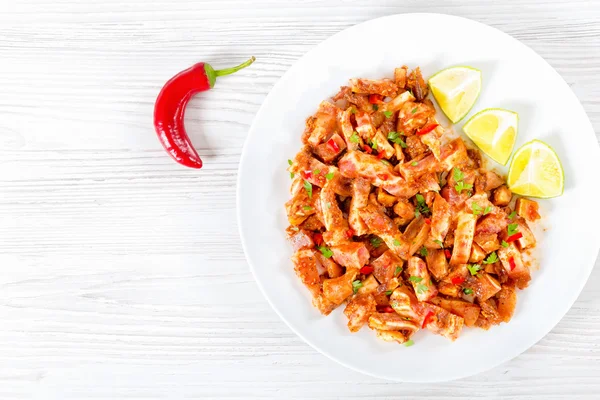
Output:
x=360 y=197
x=322 y=125
x=384 y=87
x=468 y=311
x=390 y=322
x=339 y=289
x=512 y=262
x=437 y=263
x=507 y=301
x=527 y=209
x=463 y=238
x=444 y=323
x=391 y=336
x=381 y=225
x=351 y=255
x=358 y=310
x=502 y=196
x=416 y=84
x=400 y=75
x=441 y=217
x=386 y=266
x=420 y=279
x=329 y=150
x=527 y=241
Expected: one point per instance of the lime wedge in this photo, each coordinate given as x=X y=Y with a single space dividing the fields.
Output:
x=494 y=131
x=456 y=89
x=536 y=171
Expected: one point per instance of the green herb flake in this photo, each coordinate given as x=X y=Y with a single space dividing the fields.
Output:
x=317 y=171
x=504 y=244
x=354 y=138
x=417 y=213
x=388 y=114
x=460 y=186
x=414 y=163
x=468 y=291
x=414 y=110
x=327 y=253
x=398 y=270
x=415 y=279
x=487 y=210
x=329 y=176
x=306 y=208
x=373 y=145
x=473 y=268
x=477 y=209
x=396 y=242
x=353 y=110
x=384 y=162
x=291 y=175
x=356 y=285
x=512 y=229
x=421 y=288
x=290 y=162
x=512 y=215
x=375 y=107
x=409 y=343
x=308 y=187
x=457 y=174
x=439 y=243
x=492 y=258
x=376 y=242
x=388 y=292
x=423 y=252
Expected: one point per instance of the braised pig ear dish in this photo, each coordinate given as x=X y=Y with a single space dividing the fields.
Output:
x=398 y=221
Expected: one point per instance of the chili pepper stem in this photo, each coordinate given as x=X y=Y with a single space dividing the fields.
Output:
x=212 y=74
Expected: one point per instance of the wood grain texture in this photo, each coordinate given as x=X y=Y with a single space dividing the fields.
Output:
x=110 y=289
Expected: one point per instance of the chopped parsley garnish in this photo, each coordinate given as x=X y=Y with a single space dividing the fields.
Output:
x=329 y=176
x=384 y=162
x=317 y=171
x=398 y=270
x=394 y=137
x=396 y=242
x=354 y=138
x=415 y=279
x=487 y=210
x=388 y=292
x=439 y=242
x=477 y=209
x=291 y=175
x=290 y=162
x=423 y=251
x=376 y=242
x=327 y=253
x=353 y=110
x=460 y=186
x=421 y=206
x=356 y=285
x=512 y=215
x=417 y=213
x=409 y=343
x=375 y=107
x=388 y=114
x=457 y=174
x=458 y=177
x=473 y=268
x=306 y=208
x=468 y=291
x=373 y=144
x=414 y=163
x=512 y=229
x=492 y=258
x=414 y=110
x=308 y=187
x=504 y=244
x=421 y=288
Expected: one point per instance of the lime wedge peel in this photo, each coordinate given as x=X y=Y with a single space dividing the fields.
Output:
x=536 y=171
x=456 y=89
x=494 y=131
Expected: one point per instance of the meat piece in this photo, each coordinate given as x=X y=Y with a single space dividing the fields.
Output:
x=468 y=311
x=528 y=239
x=360 y=197
x=300 y=206
x=453 y=154
x=384 y=87
x=484 y=286
x=417 y=85
x=413 y=116
x=441 y=217
x=390 y=322
x=397 y=102
x=353 y=142
x=333 y=219
x=487 y=241
x=449 y=289
x=356 y=164
x=432 y=141
x=478 y=204
x=490 y=312
x=428 y=183
x=364 y=126
x=384 y=198
x=502 y=196
x=463 y=238
x=369 y=285
x=404 y=209
x=400 y=75
x=299 y=238
x=383 y=145
x=477 y=254
x=339 y=289
x=491 y=223
x=488 y=180
x=527 y=209
x=332 y=268
x=391 y=336
x=358 y=310
x=312 y=223
x=404 y=302
x=442 y=322
x=512 y=262
x=506 y=301
x=305 y=265
x=415 y=146
x=322 y=125
x=351 y=255
x=419 y=240
x=420 y=279
x=415 y=232
x=358 y=101
x=386 y=266
x=329 y=150
x=415 y=168
x=381 y=225
x=304 y=167
x=437 y=263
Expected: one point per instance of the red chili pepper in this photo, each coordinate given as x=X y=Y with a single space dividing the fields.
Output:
x=427 y=319
x=385 y=309
x=318 y=239
x=447 y=253
x=511 y=261
x=334 y=146
x=457 y=280
x=514 y=237
x=169 y=109
x=367 y=269
x=428 y=221
x=383 y=177
x=349 y=233
x=306 y=174
x=367 y=149
x=427 y=129
x=381 y=154
x=375 y=99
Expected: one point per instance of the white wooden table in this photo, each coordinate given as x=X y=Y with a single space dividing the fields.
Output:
x=121 y=273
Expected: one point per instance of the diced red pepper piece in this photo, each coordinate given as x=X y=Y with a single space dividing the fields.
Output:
x=318 y=239
x=375 y=99
x=380 y=155
x=385 y=309
x=511 y=261
x=306 y=174
x=349 y=233
x=447 y=253
x=383 y=177
x=366 y=270
x=334 y=146
x=457 y=280
x=427 y=319
x=428 y=221
x=427 y=129
x=514 y=237
x=367 y=149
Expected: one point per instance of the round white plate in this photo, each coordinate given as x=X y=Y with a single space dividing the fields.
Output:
x=514 y=77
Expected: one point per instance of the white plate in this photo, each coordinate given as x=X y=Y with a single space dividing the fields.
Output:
x=514 y=77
